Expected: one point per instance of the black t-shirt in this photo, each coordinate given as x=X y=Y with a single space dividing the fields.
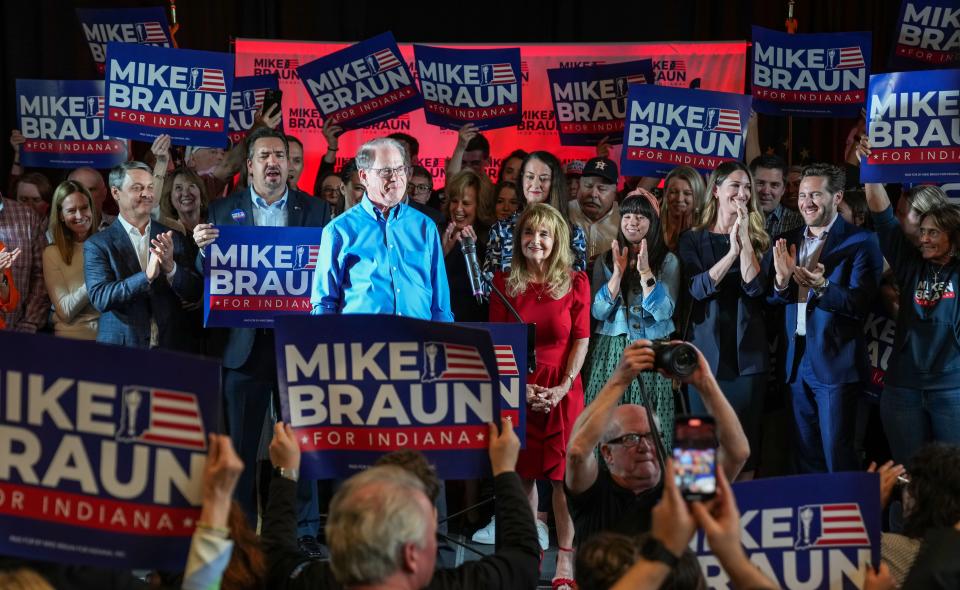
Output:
x=605 y=506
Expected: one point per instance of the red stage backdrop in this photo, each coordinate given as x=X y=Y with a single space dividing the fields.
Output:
x=711 y=66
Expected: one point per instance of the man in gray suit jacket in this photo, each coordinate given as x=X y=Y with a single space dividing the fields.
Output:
x=138 y=272
x=249 y=361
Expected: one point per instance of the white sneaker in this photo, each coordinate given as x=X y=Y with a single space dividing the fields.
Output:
x=487 y=535
x=543 y=534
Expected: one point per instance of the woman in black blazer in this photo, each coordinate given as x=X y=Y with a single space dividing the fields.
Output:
x=721 y=260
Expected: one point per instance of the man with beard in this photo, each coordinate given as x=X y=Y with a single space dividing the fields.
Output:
x=827 y=272
x=249 y=361
x=769 y=177
x=595 y=209
x=621 y=497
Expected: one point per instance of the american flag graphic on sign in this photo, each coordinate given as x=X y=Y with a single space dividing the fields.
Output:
x=506 y=362
x=95 y=105
x=306 y=256
x=381 y=61
x=636 y=79
x=453 y=362
x=831 y=525
x=726 y=120
x=845 y=58
x=151 y=32
x=208 y=80
x=501 y=74
x=161 y=417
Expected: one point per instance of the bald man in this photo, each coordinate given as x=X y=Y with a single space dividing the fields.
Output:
x=93 y=182
x=621 y=497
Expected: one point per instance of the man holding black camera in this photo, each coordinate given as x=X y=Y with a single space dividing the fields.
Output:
x=621 y=497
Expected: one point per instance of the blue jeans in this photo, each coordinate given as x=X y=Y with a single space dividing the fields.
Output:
x=914 y=417
x=824 y=417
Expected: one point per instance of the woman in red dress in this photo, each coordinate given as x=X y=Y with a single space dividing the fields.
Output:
x=544 y=289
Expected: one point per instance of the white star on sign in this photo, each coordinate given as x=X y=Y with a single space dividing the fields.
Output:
x=600 y=165
x=479 y=436
x=187 y=522
x=304 y=439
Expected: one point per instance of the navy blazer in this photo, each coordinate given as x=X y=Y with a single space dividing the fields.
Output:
x=835 y=344
x=119 y=289
x=302 y=211
x=702 y=326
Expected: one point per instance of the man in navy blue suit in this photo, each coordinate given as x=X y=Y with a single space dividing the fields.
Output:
x=138 y=271
x=249 y=361
x=826 y=274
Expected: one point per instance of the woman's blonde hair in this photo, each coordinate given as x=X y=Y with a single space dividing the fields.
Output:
x=708 y=217
x=63 y=238
x=166 y=199
x=671 y=232
x=559 y=262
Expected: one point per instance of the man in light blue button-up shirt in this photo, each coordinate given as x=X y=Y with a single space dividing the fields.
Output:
x=382 y=256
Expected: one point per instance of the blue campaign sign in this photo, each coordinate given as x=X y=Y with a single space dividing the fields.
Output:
x=357 y=386
x=667 y=127
x=807 y=531
x=102 y=451
x=812 y=75
x=510 y=347
x=146 y=26
x=246 y=100
x=363 y=84
x=879 y=330
x=479 y=86
x=180 y=92
x=913 y=120
x=62 y=121
x=927 y=35
x=590 y=102
x=253 y=274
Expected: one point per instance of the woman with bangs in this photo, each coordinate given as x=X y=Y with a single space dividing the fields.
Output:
x=721 y=260
x=635 y=286
x=541 y=181
x=544 y=290
x=73 y=219
x=683 y=192
x=469 y=211
x=184 y=202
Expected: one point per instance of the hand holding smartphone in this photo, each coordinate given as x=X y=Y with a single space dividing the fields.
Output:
x=695 y=457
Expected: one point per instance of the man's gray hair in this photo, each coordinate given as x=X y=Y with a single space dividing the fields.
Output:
x=119 y=172
x=367 y=153
x=372 y=516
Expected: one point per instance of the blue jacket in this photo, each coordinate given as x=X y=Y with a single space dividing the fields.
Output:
x=302 y=211
x=835 y=345
x=127 y=301
x=704 y=328
x=649 y=318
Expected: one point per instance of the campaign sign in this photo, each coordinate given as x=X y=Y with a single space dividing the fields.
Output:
x=101 y=461
x=180 y=92
x=357 y=386
x=252 y=274
x=510 y=347
x=62 y=121
x=816 y=75
x=590 y=102
x=806 y=531
x=363 y=84
x=146 y=26
x=927 y=35
x=879 y=330
x=245 y=100
x=667 y=127
x=913 y=120
x=479 y=86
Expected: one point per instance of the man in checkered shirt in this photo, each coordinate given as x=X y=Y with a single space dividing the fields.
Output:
x=20 y=227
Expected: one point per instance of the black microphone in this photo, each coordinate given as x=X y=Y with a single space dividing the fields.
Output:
x=469 y=247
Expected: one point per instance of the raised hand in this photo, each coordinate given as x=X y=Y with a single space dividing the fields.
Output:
x=643 y=262
x=784 y=262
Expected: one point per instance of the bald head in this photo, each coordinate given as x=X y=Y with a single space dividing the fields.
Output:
x=633 y=466
x=93 y=182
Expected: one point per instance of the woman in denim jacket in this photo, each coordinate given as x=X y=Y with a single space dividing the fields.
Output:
x=635 y=288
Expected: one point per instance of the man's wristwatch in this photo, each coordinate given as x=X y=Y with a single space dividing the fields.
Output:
x=654 y=550
x=291 y=474
x=818 y=291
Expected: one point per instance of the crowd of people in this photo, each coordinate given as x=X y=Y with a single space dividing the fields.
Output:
x=768 y=271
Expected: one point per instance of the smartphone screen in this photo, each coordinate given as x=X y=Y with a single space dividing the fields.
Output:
x=695 y=457
x=273 y=97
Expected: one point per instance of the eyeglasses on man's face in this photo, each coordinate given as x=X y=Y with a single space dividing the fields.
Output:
x=385 y=173
x=632 y=439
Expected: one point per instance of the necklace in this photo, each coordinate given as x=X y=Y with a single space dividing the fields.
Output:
x=541 y=292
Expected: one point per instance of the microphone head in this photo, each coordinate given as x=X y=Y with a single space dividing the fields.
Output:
x=468 y=245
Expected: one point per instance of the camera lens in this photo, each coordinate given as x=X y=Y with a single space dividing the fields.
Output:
x=683 y=360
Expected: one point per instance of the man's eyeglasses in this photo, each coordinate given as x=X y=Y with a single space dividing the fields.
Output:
x=421 y=188
x=388 y=172
x=632 y=439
